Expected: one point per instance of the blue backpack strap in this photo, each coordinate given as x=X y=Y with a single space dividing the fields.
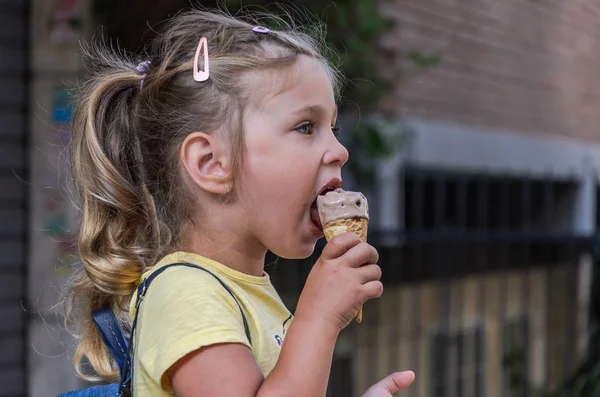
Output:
x=112 y=335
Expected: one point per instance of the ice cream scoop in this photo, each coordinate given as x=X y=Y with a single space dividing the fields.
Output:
x=340 y=204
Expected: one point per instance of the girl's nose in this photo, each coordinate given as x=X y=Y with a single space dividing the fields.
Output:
x=336 y=153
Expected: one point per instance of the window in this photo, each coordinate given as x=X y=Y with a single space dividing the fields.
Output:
x=515 y=358
x=341 y=378
x=458 y=363
x=435 y=201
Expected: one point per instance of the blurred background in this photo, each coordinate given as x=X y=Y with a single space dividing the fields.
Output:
x=474 y=131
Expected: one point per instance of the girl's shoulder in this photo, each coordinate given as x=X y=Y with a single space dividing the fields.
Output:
x=181 y=279
x=220 y=270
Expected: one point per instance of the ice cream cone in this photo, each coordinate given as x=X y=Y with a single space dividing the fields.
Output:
x=355 y=225
x=341 y=212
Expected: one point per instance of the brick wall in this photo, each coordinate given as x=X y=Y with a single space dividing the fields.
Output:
x=524 y=65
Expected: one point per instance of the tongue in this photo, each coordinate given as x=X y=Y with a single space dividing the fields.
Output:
x=314 y=215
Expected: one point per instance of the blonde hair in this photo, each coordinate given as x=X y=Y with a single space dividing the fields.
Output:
x=124 y=151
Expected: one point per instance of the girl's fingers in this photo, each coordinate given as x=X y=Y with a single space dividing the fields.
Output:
x=390 y=385
x=372 y=290
x=369 y=273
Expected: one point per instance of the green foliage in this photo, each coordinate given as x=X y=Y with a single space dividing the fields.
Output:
x=352 y=27
x=373 y=138
x=422 y=60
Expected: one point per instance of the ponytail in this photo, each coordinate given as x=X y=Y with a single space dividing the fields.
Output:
x=119 y=234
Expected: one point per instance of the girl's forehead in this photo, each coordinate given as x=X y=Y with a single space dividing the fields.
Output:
x=304 y=85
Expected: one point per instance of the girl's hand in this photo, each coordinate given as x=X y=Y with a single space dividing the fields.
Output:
x=345 y=276
x=390 y=385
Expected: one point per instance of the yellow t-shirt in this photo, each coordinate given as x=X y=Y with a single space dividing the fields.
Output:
x=186 y=309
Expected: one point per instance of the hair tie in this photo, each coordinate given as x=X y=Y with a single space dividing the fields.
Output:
x=261 y=29
x=141 y=68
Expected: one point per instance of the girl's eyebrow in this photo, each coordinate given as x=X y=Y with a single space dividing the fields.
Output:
x=319 y=110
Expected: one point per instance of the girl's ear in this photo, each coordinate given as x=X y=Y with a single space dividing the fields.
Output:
x=207 y=162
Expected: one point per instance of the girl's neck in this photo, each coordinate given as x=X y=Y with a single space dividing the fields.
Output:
x=228 y=249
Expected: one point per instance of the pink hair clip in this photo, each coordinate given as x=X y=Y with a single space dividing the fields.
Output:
x=201 y=75
x=261 y=29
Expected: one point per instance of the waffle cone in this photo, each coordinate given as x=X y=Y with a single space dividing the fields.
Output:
x=355 y=225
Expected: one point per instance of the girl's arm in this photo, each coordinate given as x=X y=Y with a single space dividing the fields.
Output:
x=305 y=361
x=225 y=361
x=343 y=278
x=218 y=370
x=231 y=370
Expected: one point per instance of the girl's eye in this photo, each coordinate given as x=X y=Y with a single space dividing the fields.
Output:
x=306 y=128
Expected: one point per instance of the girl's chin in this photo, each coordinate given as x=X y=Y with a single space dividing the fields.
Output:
x=302 y=250
x=304 y=243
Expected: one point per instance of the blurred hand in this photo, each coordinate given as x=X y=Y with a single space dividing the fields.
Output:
x=390 y=385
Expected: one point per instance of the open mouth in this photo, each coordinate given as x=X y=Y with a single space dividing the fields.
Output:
x=314 y=210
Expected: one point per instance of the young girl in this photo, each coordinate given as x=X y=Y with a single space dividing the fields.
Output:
x=211 y=152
